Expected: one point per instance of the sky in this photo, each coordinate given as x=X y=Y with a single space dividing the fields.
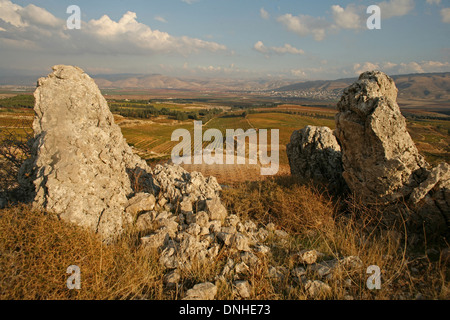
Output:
x=267 y=39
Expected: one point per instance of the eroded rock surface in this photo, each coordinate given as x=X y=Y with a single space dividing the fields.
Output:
x=314 y=153
x=81 y=165
x=381 y=162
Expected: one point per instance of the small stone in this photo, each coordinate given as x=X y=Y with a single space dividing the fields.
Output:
x=240 y=242
x=281 y=234
x=155 y=240
x=232 y=220
x=202 y=291
x=194 y=229
x=262 y=234
x=317 y=288
x=241 y=270
x=277 y=273
x=168 y=258
x=215 y=209
x=202 y=219
x=172 y=279
x=249 y=258
x=227 y=268
x=144 y=222
x=162 y=202
x=186 y=206
x=215 y=226
x=242 y=288
x=140 y=203
x=241 y=228
x=260 y=248
x=351 y=262
x=299 y=272
x=229 y=229
x=250 y=226
x=308 y=256
x=226 y=238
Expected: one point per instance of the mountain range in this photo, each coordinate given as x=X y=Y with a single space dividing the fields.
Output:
x=433 y=86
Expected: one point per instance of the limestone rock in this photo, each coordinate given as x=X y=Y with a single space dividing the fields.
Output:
x=380 y=160
x=202 y=291
x=155 y=240
x=215 y=209
x=309 y=256
x=81 y=165
x=314 y=153
x=172 y=279
x=242 y=289
x=139 y=203
x=317 y=288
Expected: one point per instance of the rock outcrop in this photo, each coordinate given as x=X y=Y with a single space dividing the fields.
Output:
x=314 y=153
x=380 y=160
x=81 y=166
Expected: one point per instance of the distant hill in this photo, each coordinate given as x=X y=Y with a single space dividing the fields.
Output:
x=157 y=81
x=434 y=86
x=428 y=86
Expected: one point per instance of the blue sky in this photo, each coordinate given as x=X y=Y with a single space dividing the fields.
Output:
x=227 y=38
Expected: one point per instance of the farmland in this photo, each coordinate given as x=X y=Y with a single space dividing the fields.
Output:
x=149 y=134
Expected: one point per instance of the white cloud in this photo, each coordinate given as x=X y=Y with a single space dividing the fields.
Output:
x=10 y=13
x=42 y=31
x=39 y=16
x=299 y=73
x=352 y=17
x=18 y=16
x=264 y=14
x=445 y=13
x=260 y=47
x=437 y=2
x=160 y=19
x=305 y=25
x=287 y=48
x=367 y=66
x=403 y=68
x=348 y=18
x=396 y=8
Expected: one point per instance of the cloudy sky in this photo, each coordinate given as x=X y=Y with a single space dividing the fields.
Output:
x=296 y=39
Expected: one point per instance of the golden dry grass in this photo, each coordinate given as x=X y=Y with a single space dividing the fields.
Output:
x=36 y=248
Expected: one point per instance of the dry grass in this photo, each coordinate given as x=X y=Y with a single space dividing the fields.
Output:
x=36 y=248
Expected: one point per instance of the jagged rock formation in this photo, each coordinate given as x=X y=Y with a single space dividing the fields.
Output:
x=380 y=160
x=314 y=153
x=81 y=166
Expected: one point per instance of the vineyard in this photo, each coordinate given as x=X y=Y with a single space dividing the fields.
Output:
x=151 y=138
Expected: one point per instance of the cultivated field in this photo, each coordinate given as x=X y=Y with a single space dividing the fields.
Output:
x=151 y=138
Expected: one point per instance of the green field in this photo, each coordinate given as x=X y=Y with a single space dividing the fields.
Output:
x=151 y=137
